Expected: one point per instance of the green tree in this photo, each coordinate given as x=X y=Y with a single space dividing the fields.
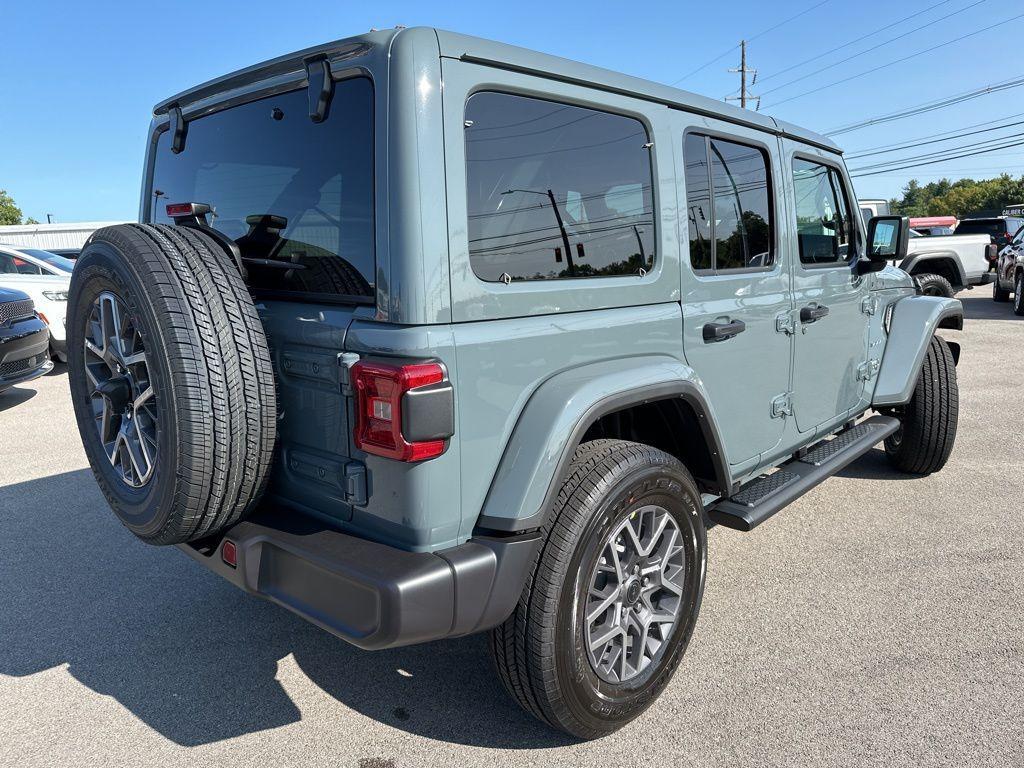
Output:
x=9 y=212
x=963 y=198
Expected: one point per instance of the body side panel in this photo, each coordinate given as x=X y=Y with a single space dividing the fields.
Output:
x=559 y=412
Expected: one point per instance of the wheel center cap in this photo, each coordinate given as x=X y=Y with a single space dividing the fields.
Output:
x=117 y=390
x=633 y=592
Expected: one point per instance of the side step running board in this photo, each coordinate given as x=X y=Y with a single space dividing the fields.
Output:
x=764 y=496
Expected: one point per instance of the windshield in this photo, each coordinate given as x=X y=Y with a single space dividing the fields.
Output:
x=288 y=191
x=59 y=263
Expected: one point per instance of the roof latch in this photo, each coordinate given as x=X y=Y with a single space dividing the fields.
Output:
x=320 y=89
x=179 y=129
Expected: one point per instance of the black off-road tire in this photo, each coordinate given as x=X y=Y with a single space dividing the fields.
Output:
x=540 y=651
x=1018 y=295
x=928 y=430
x=209 y=366
x=934 y=285
x=1000 y=295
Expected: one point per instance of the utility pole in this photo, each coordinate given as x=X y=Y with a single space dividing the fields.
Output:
x=743 y=71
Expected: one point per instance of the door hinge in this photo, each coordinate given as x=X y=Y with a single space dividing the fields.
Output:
x=869 y=305
x=345 y=362
x=867 y=370
x=785 y=323
x=782 y=406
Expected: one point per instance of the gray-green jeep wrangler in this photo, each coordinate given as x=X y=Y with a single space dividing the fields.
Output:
x=423 y=335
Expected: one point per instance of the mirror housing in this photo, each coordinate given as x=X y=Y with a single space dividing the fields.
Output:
x=888 y=240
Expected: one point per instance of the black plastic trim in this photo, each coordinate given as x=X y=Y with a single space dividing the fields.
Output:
x=743 y=517
x=684 y=390
x=370 y=594
x=428 y=413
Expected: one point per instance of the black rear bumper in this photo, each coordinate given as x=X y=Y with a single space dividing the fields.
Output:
x=370 y=594
x=23 y=352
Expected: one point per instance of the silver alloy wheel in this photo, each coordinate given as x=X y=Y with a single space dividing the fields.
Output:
x=124 y=404
x=635 y=593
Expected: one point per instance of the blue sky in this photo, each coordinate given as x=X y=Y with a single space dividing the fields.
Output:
x=78 y=80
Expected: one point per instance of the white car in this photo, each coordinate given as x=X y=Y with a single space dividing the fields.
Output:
x=45 y=277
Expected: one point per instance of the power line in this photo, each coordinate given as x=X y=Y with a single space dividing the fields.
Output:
x=930 y=106
x=933 y=141
x=940 y=160
x=930 y=49
x=956 y=131
x=872 y=48
x=754 y=37
x=856 y=40
x=794 y=17
x=941 y=153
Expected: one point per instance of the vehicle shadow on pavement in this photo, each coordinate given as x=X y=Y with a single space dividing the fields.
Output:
x=976 y=308
x=874 y=465
x=194 y=658
x=15 y=396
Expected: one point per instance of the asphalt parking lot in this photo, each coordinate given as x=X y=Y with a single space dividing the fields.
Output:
x=879 y=621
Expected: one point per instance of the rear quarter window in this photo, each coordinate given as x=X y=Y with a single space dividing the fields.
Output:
x=555 y=190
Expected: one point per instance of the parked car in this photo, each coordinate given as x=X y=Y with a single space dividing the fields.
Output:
x=46 y=278
x=529 y=333
x=1000 y=228
x=1010 y=274
x=23 y=340
x=945 y=264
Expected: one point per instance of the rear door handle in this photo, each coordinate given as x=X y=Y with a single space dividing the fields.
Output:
x=813 y=313
x=723 y=331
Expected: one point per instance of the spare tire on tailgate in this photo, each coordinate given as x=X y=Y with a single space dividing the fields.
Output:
x=171 y=380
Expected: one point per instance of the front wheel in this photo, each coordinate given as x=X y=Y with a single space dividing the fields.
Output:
x=935 y=285
x=1018 y=295
x=614 y=594
x=927 y=431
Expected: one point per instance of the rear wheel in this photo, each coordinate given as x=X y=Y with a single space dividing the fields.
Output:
x=927 y=431
x=1018 y=295
x=613 y=598
x=934 y=285
x=999 y=293
x=171 y=381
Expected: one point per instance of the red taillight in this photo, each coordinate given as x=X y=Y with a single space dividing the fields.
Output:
x=379 y=389
x=179 y=209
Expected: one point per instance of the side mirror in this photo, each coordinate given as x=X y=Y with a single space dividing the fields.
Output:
x=888 y=240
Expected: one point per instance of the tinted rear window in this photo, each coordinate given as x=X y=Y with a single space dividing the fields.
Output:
x=982 y=227
x=284 y=188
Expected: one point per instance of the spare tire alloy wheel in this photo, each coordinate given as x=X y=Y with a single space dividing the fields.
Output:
x=171 y=381
x=123 y=399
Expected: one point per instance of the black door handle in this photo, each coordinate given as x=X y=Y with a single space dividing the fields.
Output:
x=813 y=313
x=723 y=331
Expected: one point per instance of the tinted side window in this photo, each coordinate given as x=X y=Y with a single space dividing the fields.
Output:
x=698 y=200
x=284 y=188
x=556 y=191
x=824 y=225
x=731 y=229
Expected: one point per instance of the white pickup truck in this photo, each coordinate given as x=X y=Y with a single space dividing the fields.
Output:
x=946 y=264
